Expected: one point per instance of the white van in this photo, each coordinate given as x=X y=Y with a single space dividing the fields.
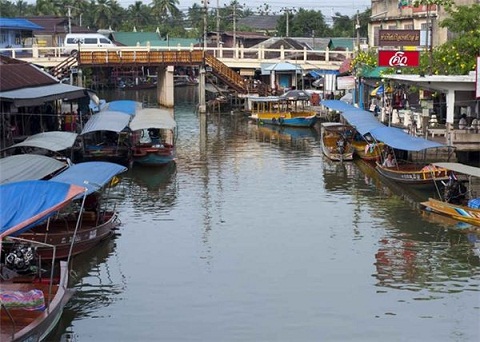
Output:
x=86 y=40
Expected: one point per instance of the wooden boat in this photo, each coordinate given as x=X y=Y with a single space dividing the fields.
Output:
x=105 y=137
x=420 y=174
x=291 y=109
x=458 y=201
x=366 y=148
x=154 y=137
x=337 y=140
x=97 y=223
x=31 y=303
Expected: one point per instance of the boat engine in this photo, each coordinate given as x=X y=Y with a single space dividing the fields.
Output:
x=20 y=257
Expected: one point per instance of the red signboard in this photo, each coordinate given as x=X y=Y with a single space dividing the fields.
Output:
x=388 y=58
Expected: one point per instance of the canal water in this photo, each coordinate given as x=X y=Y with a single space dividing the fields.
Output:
x=253 y=235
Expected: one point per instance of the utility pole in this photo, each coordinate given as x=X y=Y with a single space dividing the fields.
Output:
x=235 y=24
x=357 y=28
x=205 y=23
x=287 y=23
x=69 y=19
x=218 y=24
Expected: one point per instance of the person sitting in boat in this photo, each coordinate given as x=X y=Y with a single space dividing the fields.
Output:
x=154 y=134
x=389 y=161
x=455 y=191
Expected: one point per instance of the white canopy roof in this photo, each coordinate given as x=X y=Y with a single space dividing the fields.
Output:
x=52 y=141
x=153 y=118
x=460 y=168
x=23 y=167
x=107 y=121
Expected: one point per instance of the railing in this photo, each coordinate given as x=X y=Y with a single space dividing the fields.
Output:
x=240 y=56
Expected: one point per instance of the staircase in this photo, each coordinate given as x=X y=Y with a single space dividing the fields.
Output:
x=63 y=69
x=227 y=75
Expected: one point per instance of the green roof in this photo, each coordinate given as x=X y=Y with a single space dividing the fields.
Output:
x=184 y=42
x=132 y=38
x=341 y=43
x=373 y=72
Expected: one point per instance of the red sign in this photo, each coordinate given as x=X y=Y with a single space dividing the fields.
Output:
x=387 y=58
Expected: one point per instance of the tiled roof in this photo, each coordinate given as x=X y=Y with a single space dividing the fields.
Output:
x=16 y=74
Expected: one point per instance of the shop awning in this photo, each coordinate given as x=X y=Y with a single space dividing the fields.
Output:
x=36 y=96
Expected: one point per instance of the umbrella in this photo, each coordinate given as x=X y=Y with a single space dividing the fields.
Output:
x=296 y=95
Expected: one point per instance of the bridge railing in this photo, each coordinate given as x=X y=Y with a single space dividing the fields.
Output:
x=254 y=55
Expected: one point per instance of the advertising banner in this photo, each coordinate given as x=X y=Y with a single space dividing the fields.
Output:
x=399 y=38
x=391 y=58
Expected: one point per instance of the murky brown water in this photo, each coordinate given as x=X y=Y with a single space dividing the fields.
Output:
x=254 y=236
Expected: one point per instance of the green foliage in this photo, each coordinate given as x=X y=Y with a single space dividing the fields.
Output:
x=364 y=59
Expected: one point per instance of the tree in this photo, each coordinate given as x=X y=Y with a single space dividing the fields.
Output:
x=139 y=14
x=458 y=56
x=162 y=9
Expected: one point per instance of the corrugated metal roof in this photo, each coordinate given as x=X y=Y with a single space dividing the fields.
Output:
x=34 y=96
x=260 y=22
x=20 y=75
x=54 y=25
x=18 y=24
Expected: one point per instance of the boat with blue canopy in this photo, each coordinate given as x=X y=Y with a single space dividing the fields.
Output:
x=31 y=302
x=98 y=218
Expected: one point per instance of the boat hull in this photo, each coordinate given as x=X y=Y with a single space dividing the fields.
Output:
x=60 y=234
x=294 y=122
x=151 y=156
x=455 y=211
x=413 y=174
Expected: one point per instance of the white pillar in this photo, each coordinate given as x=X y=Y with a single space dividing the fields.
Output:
x=202 y=107
x=165 y=86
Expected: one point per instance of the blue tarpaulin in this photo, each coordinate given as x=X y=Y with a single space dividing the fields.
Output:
x=27 y=203
x=18 y=24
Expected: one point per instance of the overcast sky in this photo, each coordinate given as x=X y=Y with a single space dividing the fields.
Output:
x=327 y=7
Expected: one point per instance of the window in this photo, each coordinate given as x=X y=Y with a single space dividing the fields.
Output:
x=90 y=41
x=105 y=41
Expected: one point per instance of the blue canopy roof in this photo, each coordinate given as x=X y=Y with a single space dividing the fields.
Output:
x=397 y=138
x=18 y=24
x=27 y=203
x=125 y=106
x=364 y=122
x=91 y=175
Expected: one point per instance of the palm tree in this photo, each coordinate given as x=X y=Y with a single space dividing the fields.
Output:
x=103 y=14
x=161 y=9
x=139 y=14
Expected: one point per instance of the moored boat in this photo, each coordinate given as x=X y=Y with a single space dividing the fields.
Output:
x=291 y=109
x=97 y=221
x=460 y=199
x=154 y=137
x=31 y=303
x=337 y=140
x=105 y=137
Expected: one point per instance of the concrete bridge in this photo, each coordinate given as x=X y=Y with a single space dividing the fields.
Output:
x=222 y=62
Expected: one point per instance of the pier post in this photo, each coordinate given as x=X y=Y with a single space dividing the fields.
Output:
x=202 y=108
x=165 y=86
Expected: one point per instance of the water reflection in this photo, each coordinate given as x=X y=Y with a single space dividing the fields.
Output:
x=96 y=285
x=152 y=188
